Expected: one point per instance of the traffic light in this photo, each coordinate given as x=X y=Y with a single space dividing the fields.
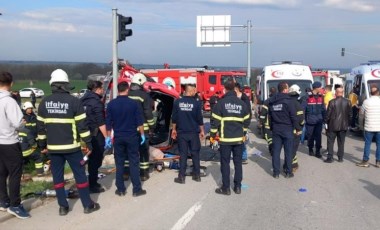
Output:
x=123 y=31
x=342 y=54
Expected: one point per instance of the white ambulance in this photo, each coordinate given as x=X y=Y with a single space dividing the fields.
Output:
x=287 y=71
x=363 y=77
x=290 y=72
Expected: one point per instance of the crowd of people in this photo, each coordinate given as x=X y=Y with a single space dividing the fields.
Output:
x=79 y=131
x=286 y=122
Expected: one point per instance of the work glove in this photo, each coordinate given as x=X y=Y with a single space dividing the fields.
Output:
x=108 y=143
x=215 y=145
x=142 y=139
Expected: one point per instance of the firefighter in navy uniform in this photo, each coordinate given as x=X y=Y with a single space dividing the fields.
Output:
x=28 y=137
x=187 y=124
x=30 y=118
x=61 y=125
x=28 y=147
x=295 y=93
x=230 y=118
x=137 y=93
x=264 y=119
x=282 y=113
x=95 y=120
x=126 y=139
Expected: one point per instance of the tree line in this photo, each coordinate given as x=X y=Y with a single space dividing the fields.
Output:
x=41 y=71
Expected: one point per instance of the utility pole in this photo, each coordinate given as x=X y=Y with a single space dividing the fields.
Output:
x=249 y=52
x=115 y=37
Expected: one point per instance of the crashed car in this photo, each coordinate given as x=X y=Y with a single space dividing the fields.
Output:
x=162 y=95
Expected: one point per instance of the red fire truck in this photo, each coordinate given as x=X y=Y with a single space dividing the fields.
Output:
x=208 y=82
x=327 y=77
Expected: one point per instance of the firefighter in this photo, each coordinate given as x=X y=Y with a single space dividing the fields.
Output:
x=246 y=100
x=282 y=113
x=95 y=119
x=28 y=138
x=187 y=124
x=264 y=119
x=295 y=92
x=30 y=118
x=28 y=147
x=61 y=125
x=126 y=139
x=230 y=118
x=138 y=94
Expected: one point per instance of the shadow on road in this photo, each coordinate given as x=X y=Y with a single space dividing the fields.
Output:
x=372 y=188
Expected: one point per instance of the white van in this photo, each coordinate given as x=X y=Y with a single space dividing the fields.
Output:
x=290 y=72
x=362 y=77
x=287 y=71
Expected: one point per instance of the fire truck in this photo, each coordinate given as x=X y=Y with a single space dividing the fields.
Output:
x=207 y=81
x=272 y=75
x=328 y=77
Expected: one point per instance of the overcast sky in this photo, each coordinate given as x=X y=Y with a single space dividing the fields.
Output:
x=311 y=31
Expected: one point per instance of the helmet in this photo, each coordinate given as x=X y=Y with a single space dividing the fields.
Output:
x=139 y=79
x=27 y=105
x=58 y=75
x=295 y=89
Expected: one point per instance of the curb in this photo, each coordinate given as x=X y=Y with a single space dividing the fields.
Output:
x=29 y=204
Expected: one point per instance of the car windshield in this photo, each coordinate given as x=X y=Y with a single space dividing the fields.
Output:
x=372 y=83
x=242 y=80
x=303 y=84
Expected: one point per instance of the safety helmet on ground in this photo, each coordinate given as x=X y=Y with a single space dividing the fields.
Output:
x=139 y=79
x=58 y=75
x=295 y=89
x=27 y=105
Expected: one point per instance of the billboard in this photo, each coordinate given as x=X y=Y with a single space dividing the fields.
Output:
x=214 y=31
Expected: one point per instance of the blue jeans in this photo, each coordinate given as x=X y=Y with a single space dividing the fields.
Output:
x=245 y=153
x=368 y=137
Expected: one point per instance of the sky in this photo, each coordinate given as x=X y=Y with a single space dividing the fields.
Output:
x=164 y=31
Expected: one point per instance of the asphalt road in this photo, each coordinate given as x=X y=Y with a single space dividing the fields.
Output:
x=338 y=196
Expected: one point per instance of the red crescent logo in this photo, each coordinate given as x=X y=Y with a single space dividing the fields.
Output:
x=275 y=74
x=376 y=73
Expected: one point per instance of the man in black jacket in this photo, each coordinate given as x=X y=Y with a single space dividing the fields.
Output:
x=283 y=117
x=95 y=120
x=339 y=115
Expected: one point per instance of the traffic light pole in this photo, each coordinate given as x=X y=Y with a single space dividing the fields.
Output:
x=115 y=38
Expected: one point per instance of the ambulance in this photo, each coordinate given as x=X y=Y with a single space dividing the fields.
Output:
x=272 y=75
x=363 y=77
x=290 y=72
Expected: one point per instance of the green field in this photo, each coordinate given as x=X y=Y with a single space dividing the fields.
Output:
x=44 y=85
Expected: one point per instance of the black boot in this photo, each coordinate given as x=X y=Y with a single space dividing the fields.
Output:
x=318 y=154
x=329 y=160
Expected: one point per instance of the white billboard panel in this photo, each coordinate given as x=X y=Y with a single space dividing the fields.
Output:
x=213 y=31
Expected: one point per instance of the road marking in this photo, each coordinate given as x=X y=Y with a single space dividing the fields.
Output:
x=186 y=218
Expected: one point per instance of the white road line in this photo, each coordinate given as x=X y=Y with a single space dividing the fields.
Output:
x=186 y=218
